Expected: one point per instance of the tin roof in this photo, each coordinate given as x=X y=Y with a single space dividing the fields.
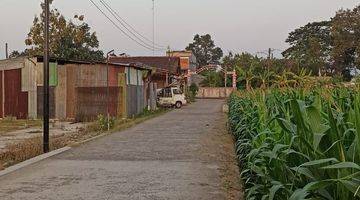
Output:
x=161 y=63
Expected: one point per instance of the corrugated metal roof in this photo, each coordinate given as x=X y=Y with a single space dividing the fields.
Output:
x=162 y=63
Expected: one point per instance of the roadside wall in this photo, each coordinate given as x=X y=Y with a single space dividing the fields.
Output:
x=214 y=93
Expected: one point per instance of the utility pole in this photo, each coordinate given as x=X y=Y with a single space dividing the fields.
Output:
x=108 y=89
x=46 y=115
x=3 y=84
x=6 y=51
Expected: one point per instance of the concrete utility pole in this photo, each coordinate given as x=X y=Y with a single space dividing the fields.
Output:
x=46 y=115
x=108 y=89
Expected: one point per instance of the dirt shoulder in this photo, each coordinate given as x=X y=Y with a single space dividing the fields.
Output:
x=218 y=145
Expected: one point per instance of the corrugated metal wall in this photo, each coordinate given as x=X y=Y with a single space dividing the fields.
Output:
x=91 y=76
x=28 y=84
x=71 y=91
x=16 y=101
x=61 y=93
x=40 y=74
x=1 y=94
x=122 y=109
x=40 y=100
x=93 y=101
x=135 y=100
x=77 y=90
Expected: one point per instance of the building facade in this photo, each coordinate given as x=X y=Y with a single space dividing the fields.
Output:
x=165 y=68
x=79 y=90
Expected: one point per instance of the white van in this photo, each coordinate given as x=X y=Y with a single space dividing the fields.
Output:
x=171 y=96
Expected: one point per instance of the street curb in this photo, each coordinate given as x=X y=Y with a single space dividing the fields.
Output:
x=32 y=161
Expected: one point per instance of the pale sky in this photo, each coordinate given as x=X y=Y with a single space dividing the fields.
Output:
x=236 y=25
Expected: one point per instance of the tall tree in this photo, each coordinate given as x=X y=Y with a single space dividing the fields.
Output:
x=346 y=35
x=310 y=45
x=71 y=40
x=205 y=50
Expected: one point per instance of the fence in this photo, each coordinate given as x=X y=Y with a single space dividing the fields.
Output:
x=214 y=93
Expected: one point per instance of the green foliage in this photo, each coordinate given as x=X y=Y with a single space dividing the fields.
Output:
x=205 y=50
x=104 y=123
x=298 y=144
x=255 y=72
x=194 y=89
x=72 y=40
x=310 y=45
x=212 y=79
x=330 y=47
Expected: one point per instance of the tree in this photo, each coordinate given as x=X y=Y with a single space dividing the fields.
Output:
x=346 y=38
x=205 y=50
x=15 y=54
x=212 y=79
x=310 y=45
x=69 y=40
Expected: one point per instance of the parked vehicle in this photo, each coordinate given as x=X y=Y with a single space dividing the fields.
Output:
x=171 y=96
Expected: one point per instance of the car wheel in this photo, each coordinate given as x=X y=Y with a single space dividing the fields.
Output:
x=178 y=104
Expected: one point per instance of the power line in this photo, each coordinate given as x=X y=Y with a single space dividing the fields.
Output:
x=123 y=25
x=127 y=26
x=119 y=28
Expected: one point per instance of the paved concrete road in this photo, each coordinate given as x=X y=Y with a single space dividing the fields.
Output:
x=159 y=159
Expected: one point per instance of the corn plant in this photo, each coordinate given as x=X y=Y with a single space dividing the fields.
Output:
x=297 y=144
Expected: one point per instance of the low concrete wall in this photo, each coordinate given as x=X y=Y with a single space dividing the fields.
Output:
x=214 y=93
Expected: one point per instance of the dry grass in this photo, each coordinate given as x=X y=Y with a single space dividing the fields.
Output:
x=29 y=148
x=11 y=124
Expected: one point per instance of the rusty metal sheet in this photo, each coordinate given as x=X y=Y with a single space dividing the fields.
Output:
x=93 y=101
x=91 y=75
x=61 y=93
x=40 y=101
x=122 y=96
x=1 y=95
x=113 y=75
x=71 y=91
x=16 y=101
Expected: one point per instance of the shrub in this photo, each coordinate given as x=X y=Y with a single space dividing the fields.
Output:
x=193 y=89
x=104 y=123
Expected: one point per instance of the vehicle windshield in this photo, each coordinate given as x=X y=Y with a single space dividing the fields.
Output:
x=177 y=91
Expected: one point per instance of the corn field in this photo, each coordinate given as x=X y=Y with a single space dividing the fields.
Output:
x=295 y=144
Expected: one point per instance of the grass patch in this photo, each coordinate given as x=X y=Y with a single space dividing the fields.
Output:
x=11 y=124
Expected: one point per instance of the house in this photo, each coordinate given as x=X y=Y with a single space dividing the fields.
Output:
x=188 y=64
x=165 y=68
x=187 y=60
x=78 y=90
